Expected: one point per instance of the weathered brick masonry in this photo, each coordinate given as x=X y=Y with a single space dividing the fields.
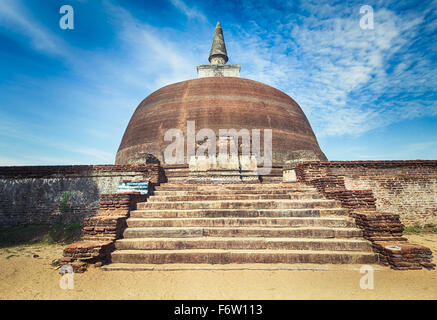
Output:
x=218 y=103
x=101 y=231
x=334 y=188
x=111 y=219
x=408 y=187
x=383 y=229
x=32 y=194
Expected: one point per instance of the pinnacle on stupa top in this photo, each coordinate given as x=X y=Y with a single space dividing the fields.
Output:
x=218 y=54
x=218 y=57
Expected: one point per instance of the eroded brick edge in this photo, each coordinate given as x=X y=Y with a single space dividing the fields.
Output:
x=101 y=232
x=383 y=229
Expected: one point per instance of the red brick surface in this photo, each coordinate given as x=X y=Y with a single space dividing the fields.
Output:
x=407 y=187
x=404 y=256
x=218 y=103
x=383 y=229
x=153 y=172
x=100 y=232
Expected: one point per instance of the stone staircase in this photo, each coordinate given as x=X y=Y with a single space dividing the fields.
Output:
x=271 y=223
x=179 y=174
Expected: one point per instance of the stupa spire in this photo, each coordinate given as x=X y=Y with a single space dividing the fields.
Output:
x=217 y=59
x=218 y=54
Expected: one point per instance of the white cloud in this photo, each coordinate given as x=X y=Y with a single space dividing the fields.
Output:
x=191 y=13
x=92 y=152
x=347 y=80
x=18 y=130
x=339 y=73
x=15 y=16
x=109 y=83
x=12 y=162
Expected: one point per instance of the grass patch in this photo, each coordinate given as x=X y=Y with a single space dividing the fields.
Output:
x=429 y=228
x=45 y=234
x=64 y=206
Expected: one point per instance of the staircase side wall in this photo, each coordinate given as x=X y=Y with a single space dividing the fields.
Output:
x=406 y=187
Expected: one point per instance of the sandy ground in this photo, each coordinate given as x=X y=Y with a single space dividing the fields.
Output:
x=23 y=276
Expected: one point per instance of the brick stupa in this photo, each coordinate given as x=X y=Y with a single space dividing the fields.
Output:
x=219 y=99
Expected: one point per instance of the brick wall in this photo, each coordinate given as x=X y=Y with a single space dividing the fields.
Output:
x=408 y=187
x=32 y=194
x=100 y=232
x=383 y=229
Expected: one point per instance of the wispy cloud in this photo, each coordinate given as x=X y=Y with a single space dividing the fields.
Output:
x=191 y=13
x=348 y=80
x=108 y=81
x=13 y=162
x=16 y=130
x=17 y=18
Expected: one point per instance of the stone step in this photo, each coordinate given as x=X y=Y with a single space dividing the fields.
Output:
x=177 y=173
x=211 y=213
x=225 y=222
x=272 y=179
x=235 y=267
x=275 y=232
x=219 y=197
x=217 y=256
x=216 y=267
x=177 y=179
x=241 y=204
x=240 y=186
x=243 y=243
x=230 y=192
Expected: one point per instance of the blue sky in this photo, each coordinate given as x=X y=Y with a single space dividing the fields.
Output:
x=66 y=96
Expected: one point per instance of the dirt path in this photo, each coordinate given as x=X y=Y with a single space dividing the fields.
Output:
x=24 y=277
